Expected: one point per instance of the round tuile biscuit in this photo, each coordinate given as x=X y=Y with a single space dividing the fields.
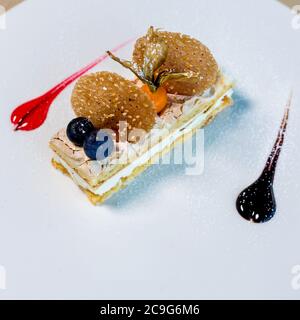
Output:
x=106 y=98
x=184 y=54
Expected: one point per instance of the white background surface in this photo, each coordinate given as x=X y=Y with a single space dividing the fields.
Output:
x=168 y=235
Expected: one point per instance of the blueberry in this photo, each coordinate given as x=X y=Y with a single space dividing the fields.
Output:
x=78 y=129
x=98 y=145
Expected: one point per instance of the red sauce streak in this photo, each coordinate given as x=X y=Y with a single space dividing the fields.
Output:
x=32 y=114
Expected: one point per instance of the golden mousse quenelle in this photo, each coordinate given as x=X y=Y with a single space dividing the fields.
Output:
x=124 y=125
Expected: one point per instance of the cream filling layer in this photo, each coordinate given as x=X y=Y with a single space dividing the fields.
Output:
x=144 y=158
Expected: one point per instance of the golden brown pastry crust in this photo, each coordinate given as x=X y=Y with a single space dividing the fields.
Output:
x=124 y=181
x=172 y=116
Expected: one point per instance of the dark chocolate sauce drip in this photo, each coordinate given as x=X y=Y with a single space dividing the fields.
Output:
x=257 y=202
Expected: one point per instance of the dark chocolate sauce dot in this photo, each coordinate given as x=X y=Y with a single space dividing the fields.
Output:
x=257 y=202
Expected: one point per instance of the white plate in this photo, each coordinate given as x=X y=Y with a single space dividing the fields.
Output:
x=168 y=235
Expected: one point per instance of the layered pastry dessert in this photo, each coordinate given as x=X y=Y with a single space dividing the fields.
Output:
x=124 y=125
